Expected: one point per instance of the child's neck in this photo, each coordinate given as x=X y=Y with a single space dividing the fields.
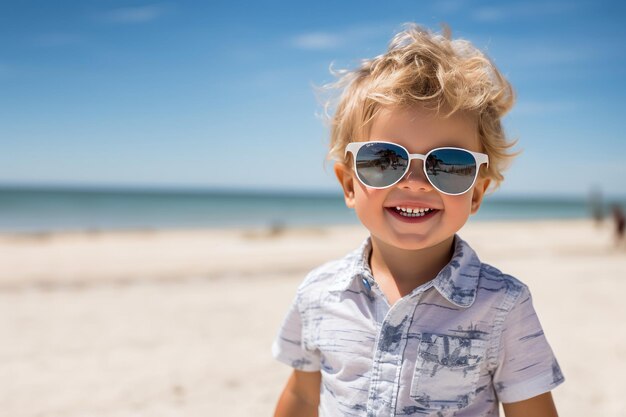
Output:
x=400 y=271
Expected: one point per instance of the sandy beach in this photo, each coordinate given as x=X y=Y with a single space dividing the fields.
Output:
x=180 y=323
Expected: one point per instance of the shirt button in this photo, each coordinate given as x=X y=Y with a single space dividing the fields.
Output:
x=366 y=284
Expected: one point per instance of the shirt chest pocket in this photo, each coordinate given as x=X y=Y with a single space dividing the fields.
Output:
x=446 y=371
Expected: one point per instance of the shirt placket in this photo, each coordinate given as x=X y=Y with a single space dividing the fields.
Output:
x=387 y=361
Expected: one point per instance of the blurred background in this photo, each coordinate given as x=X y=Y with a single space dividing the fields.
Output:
x=117 y=114
x=163 y=175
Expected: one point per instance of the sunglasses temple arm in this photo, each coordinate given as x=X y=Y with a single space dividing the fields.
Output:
x=352 y=148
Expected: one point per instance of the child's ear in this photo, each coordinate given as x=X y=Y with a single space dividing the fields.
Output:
x=346 y=179
x=479 y=192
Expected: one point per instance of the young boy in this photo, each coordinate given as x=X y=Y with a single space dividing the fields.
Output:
x=412 y=322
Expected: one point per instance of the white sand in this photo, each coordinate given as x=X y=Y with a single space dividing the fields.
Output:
x=180 y=323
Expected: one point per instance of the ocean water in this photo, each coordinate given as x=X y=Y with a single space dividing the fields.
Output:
x=46 y=209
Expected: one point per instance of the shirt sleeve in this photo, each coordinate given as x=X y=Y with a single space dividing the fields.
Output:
x=526 y=365
x=289 y=346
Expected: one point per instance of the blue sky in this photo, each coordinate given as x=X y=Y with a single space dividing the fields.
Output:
x=220 y=94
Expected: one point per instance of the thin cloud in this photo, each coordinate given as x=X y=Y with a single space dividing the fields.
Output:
x=317 y=40
x=530 y=51
x=326 y=40
x=545 y=107
x=555 y=54
x=490 y=14
x=450 y=6
x=548 y=56
x=521 y=10
x=139 y=14
x=56 y=39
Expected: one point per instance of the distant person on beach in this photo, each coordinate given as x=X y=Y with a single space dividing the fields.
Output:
x=412 y=322
x=620 y=221
x=595 y=202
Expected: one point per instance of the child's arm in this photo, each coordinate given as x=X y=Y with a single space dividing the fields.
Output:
x=539 y=406
x=301 y=396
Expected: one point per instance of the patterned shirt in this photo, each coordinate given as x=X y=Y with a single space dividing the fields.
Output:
x=454 y=346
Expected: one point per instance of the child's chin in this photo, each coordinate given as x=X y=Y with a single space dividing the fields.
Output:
x=410 y=241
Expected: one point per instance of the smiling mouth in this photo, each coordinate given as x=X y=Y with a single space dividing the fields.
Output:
x=412 y=212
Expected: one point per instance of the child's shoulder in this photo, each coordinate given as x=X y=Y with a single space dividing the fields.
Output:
x=490 y=272
x=331 y=272
x=482 y=280
x=494 y=281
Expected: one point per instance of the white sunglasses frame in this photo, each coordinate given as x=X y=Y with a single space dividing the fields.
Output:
x=480 y=158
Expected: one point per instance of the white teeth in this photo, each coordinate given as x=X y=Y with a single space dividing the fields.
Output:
x=413 y=212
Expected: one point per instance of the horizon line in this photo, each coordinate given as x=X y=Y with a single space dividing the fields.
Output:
x=238 y=190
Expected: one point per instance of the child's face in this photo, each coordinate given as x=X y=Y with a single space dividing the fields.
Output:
x=418 y=132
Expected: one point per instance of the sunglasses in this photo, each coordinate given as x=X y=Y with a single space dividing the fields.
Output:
x=380 y=164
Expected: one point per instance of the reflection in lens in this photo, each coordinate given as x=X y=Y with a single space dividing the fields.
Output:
x=451 y=170
x=381 y=164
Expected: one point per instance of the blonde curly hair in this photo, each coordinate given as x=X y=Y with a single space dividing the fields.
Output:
x=422 y=67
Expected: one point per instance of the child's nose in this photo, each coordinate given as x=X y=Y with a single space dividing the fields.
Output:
x=415 y=178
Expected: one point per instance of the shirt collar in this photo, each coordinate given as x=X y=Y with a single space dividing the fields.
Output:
x=457 y=282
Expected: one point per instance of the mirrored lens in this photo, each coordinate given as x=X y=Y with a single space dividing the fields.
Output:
x=381 y=164
x=451 y=170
